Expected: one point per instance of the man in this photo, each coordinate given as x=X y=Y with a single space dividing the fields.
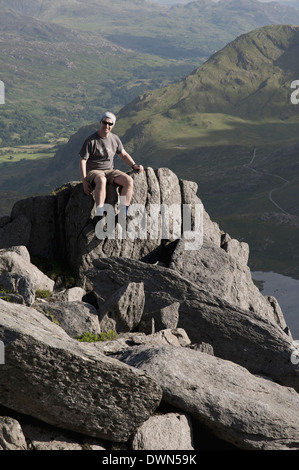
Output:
x=97 y=164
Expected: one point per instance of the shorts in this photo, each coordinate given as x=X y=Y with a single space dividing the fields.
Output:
x=110 y=175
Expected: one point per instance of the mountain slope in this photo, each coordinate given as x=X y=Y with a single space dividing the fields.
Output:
x=62 y=64
x=246 y=83
x=56 y=79
x=239 y=97
x=173 y=31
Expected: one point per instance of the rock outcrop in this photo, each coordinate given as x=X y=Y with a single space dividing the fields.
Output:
x=251 y=412
x=58 y=380
x=15 y=263
x=232 y=333
x=62 y=225
x=197 y=341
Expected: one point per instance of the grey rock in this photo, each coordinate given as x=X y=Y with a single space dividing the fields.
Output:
x=224 y=273
x=4 y=220
x=11 y=434
x=16 y=261
x=247 y=411
x=241 y=336
x=72 y=294
x=62 y=224
x=211 y=231
x=44 y=437
x=19 y=284
x=203 y=347
x=123 y=310
x=172 y=431
x=14 y=298
x=85 y=246
x=40 y=211
x=21 y=250
x=175 y=337
x=74 y=317
x=278 y=316
x=65 y=383
x=15 y=232
x=166 y=317
x=198 y=325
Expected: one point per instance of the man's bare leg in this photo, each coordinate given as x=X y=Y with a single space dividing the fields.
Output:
x=127 y=187
x=100 y=193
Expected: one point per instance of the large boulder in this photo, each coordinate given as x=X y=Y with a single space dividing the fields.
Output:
x=63 y=224
x=75 y=317
x=19 y=275
x=223 y=271
x=172 y=431
x=138 y=238
x=123 y=310
x=239 y=335
x=247 y=411
x=11 y=434
x=63 y=382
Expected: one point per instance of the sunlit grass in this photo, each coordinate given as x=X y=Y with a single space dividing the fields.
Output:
x=11 y=155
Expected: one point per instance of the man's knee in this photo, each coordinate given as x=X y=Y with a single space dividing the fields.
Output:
x=124 y=181
x=100 y=180
x=130 y=181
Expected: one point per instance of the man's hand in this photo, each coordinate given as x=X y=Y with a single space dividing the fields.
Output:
x=137 y=168
x=87 y=188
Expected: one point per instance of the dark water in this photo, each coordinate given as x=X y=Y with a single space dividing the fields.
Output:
x=286 y=291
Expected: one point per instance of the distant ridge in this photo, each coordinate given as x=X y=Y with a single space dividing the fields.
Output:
x=47 y=54
x=249 y=79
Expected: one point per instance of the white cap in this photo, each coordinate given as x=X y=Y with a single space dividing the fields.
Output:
x=110 y=116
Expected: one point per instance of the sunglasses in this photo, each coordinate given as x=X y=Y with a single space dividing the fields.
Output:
x=107 y=123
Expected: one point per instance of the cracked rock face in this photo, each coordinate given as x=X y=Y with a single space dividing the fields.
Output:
x=235 y=334
x=63 y=224
x=252 y=413
x=194 y=331
x=62 y=382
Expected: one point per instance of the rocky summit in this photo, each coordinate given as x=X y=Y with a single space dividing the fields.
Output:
x=161 y=342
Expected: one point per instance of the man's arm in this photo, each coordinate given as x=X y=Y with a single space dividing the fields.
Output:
x=126 y=157
x=86 y=185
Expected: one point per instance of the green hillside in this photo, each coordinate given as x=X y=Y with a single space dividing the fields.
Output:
x=175 y=30
x=63 y=63
x=245 y=87
x=57 y=79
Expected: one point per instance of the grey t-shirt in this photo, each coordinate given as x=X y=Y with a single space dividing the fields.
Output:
x=99 y=152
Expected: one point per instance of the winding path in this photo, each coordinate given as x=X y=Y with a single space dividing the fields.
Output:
x=285 y=182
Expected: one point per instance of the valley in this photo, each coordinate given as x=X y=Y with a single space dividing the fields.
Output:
x=283 y=181
x=64 y=64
